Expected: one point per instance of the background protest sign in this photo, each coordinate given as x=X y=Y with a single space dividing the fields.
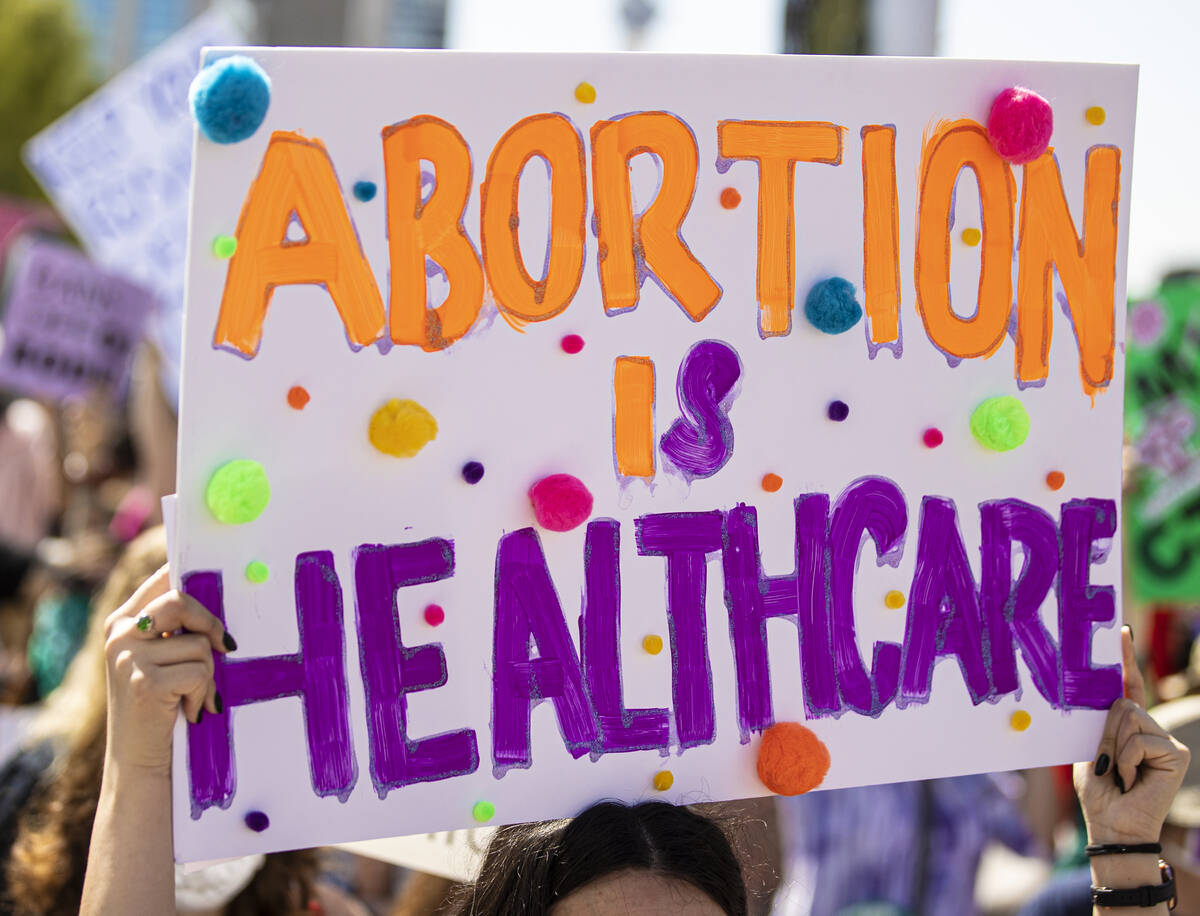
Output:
x=1163 y=393
x=790 y=516
x=117 y=168
x=68 y=325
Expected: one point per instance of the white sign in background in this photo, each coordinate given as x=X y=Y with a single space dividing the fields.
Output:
x=117 y=168
x=514 y=401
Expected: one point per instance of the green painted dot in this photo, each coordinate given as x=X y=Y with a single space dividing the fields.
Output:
x=238 y=492
x=483 y=811
x=224 y=246
x=1000 y=423
x=257 y=571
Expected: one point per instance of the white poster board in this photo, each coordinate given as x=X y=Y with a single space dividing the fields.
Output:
x=727 y=526
x=117 y=166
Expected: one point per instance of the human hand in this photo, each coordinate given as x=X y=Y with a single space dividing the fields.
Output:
x=150 y=674
x=1126 y=791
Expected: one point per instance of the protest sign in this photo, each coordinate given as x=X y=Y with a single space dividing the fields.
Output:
x=502 y=529
x=68 y=325
x=1163 y=393
x=117 y=167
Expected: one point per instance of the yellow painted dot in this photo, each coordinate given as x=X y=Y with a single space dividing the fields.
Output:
x=401 y=428
x=586 y=93
x=652 y=644
x=1020 y=720
x=1095 y=115
x=663 y=780
x=971 y=236
x=894 y=599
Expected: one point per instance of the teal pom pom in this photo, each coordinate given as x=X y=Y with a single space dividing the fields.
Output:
x=229 y=99
x=831 y=306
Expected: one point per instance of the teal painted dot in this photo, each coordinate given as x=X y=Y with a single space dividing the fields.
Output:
x=1000 y=423
x=238 y=492
x=224 y=246
x=257 y=571
x=830 y=306
x=483 y=811
x=364 y=190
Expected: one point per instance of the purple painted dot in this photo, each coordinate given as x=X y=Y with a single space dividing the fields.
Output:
x=838 y=411
x=257 y=821
x=472 y=472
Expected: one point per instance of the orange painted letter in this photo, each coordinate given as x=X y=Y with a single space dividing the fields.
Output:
x=296 y=178
x=953 y=147
x=554 y=139
x=433 y=228
x=633 y=420
x=626 y=245
x=881 y=234
x=777 y=146
x=1087 y=265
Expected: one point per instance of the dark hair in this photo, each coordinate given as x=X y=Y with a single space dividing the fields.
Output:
x=530 y=867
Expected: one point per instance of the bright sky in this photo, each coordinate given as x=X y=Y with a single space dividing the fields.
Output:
x=1161 y=36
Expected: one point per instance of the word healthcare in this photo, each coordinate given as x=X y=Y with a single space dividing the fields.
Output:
x=984 y=626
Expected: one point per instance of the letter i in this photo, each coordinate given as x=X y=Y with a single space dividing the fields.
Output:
x=633 y=416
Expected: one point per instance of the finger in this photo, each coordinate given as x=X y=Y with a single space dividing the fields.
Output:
x=1152 y=751
x=186 y=647
x=1108 y=740
x=189 y=683
x=158 y=584
x=175 y=611
x=1129 y=727
x=1135 y=685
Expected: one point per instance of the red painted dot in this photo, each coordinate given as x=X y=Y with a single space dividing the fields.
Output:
x=297 y=397
x=932 y=437
x=572 y=343
x=730 y=198
x=1055 y=480
x=434 y=615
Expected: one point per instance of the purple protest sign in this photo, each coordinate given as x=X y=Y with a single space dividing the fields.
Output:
x=68 y=325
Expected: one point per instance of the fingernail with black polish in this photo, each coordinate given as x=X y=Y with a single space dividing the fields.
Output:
x=1101 y=765
x=200 y=715
x=230 y=642
x=1118 y=780
x=218 y=702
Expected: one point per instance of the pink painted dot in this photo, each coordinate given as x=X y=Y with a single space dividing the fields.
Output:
x=572 y=343
x=434 y=615
x=560 y=502
x=932 y=437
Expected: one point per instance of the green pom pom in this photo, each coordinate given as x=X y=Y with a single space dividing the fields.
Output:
x=1000 y=423
x=483 y=811
x=224 y=246
x=238 y=492
x=257 y=571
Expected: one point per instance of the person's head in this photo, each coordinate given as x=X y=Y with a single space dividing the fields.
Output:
x=612 y=858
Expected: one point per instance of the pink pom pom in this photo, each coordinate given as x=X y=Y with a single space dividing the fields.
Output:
x=1020 y=125
x=560 y=502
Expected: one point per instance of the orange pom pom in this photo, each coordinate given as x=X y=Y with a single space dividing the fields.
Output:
x=791 y=759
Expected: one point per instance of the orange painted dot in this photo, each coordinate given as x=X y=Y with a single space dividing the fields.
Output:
x=1020 y=720
x=586 y=93
x=971 y=236
x=1055 y=480
x=653 y=644
x=663 y=780
x=894 y=599
x=297 y=397
x=791 y=759
x=771 y=482
x=730 y=198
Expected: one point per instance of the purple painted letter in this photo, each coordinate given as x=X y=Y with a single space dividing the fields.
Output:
x=685 y=539
x=701 y=441
x=816 y=628
x=1082 y=606
x=621 y=729
x=528 y=608
x=316 y=674
x=391 y=670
